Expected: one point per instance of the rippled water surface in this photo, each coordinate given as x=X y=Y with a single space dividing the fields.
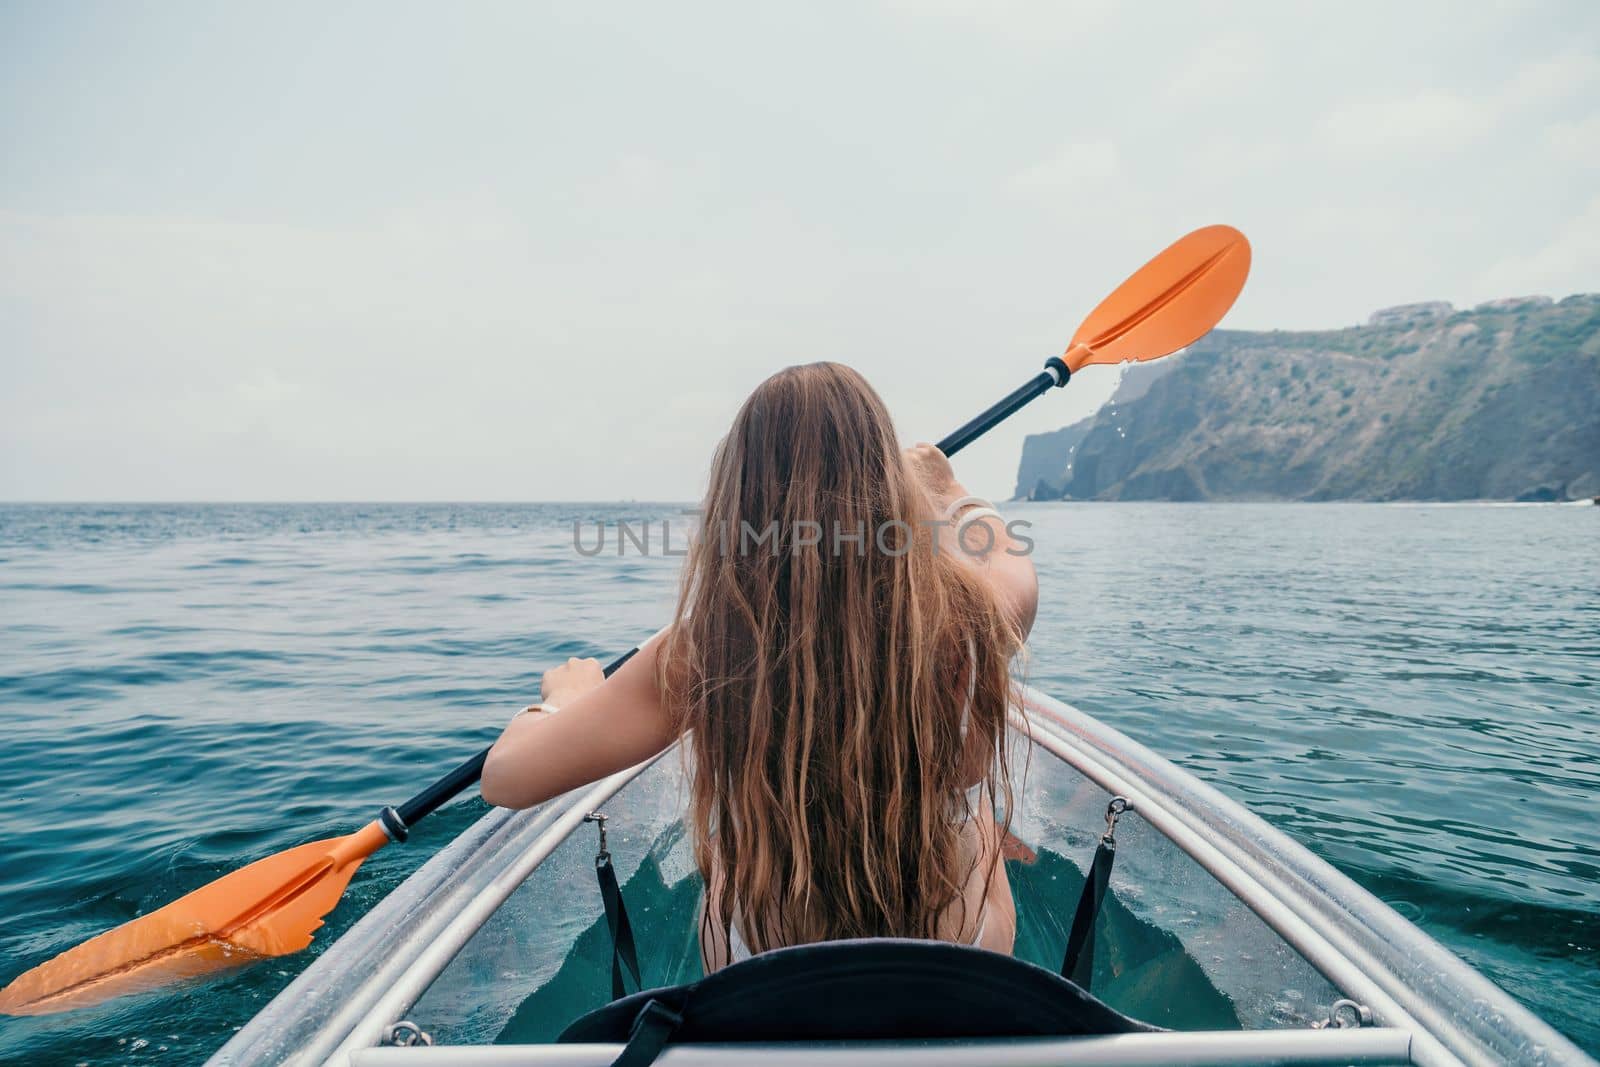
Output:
x=1409 y=690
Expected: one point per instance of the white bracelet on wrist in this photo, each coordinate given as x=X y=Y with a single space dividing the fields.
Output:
x=542 y=708
x=974 y=514
x=966 y=503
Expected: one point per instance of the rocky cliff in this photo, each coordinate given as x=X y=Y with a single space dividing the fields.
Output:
x=1422 y=403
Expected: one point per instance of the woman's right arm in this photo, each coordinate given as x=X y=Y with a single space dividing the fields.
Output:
x=606 y=727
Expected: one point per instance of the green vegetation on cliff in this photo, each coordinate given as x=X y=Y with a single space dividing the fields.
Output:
x=1423 y=403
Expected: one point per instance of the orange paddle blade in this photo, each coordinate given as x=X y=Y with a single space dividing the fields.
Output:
x=270 y=908
x=1170 y=302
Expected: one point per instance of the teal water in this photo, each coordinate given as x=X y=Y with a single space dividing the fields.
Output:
x=1409 y=690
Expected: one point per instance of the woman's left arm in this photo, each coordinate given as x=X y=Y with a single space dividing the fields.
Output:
x=604 y=725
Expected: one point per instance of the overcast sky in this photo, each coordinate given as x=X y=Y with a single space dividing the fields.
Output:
x=524 y=252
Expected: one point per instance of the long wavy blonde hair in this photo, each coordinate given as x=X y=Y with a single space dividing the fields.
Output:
x=824 y=680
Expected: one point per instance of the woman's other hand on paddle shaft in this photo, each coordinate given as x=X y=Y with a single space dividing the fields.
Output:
x=931 y=468
x=566 y=683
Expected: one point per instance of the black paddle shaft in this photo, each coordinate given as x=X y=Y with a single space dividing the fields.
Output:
x=398 y=821
x=1054 y=374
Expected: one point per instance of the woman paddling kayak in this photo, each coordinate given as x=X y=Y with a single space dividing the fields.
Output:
x=838 y=664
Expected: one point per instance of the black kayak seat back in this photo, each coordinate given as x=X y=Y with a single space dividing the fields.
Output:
x=861 y=990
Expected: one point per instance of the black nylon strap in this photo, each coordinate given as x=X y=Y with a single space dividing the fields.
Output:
x=624 y=957
x=1078 y=964
x=652 y=1029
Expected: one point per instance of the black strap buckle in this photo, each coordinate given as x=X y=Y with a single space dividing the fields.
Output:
x=655 y=1015
x=652 y=1029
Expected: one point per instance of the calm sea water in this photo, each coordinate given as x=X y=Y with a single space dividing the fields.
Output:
x=1409 y=690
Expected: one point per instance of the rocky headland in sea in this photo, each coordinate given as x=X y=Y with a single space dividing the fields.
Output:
x=1422 y=402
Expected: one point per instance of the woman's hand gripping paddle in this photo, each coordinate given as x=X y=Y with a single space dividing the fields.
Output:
x=273 y=906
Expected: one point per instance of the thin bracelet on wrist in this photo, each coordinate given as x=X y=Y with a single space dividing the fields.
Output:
x=973 y=514
x=541 y=708
x=965 y=503
x=969 y=503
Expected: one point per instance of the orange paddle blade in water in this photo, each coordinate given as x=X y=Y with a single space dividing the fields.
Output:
x=270 y=908
x=1170 y=302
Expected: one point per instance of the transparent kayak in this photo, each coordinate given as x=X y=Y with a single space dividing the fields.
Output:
x=1236 y=941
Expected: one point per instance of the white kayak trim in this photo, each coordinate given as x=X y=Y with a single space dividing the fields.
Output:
x=343 y=1003
x=1366 y=1046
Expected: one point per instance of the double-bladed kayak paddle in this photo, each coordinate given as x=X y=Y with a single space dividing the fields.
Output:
x=273 y=906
